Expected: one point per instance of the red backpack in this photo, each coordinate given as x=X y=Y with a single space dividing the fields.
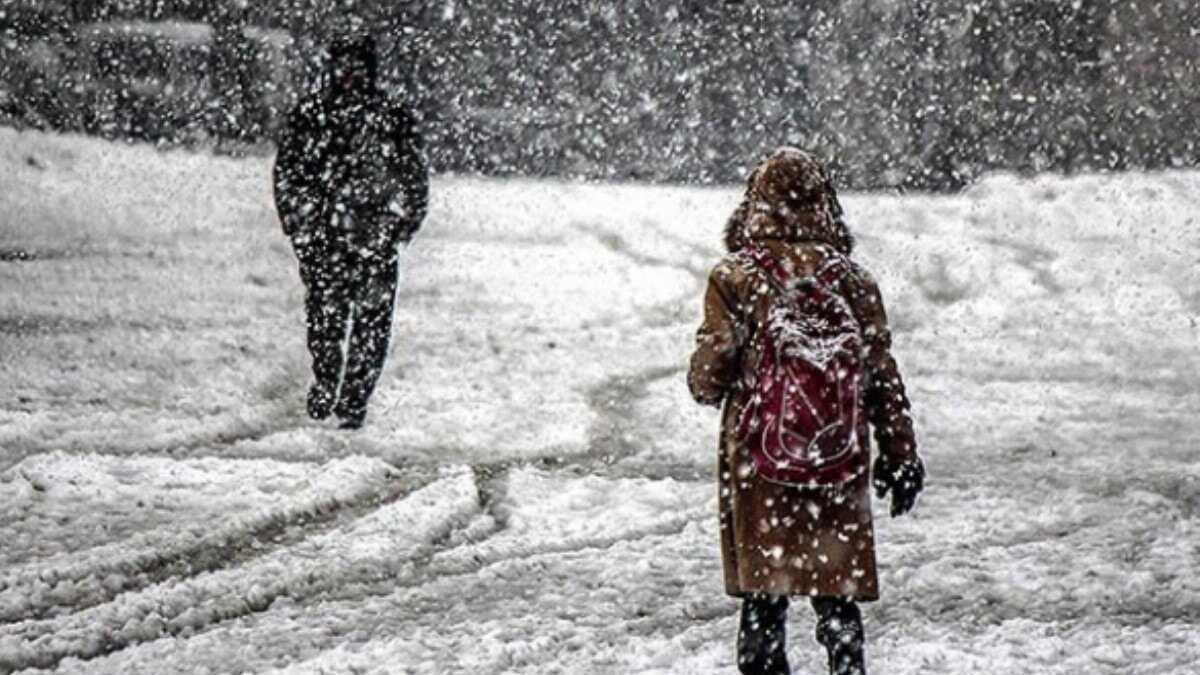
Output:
x=801 y=415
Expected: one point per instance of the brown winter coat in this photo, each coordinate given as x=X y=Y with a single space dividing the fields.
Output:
x=777 y=539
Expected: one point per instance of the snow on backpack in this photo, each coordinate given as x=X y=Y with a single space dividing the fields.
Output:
x=801 y=414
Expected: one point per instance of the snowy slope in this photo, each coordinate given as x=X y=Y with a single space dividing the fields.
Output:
x=150 y=312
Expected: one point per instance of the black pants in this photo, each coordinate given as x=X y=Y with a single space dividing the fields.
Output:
x=762 y=647
x=350 y=302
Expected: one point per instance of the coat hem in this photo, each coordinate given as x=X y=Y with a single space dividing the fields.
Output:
x=855 y=598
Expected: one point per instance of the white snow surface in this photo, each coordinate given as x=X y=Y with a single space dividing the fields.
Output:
x=82 y=528
x=533 y=491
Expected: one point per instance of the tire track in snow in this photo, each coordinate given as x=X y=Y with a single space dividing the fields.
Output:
x=364 y=609
x=617 y=244
x=671 y=312
x=518 y=552
x=700 y=251
x=181 y=433
x=616 y=433
x=515 y=569
x=282 y=412
x=492 y=484
x=546 y=653
x=346 y=614
x=1034 y=258
x=379 y=545
x=77 y=581
x=482 y=553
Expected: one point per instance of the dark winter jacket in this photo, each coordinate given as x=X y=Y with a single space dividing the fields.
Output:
x=778 y=539
x=350 y=168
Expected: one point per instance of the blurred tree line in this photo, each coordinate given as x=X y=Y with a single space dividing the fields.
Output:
x=910 y=93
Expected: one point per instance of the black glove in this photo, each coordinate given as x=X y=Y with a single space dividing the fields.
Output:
x=905 y=480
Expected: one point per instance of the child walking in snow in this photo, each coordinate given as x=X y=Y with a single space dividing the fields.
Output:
x=795 y=345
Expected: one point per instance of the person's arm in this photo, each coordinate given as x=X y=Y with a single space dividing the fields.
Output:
x=716 y=363
x=898 y=468
x=886 y=401
x=413 y=173
x=297 y=198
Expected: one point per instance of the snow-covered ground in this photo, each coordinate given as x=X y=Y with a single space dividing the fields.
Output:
x=533 y=490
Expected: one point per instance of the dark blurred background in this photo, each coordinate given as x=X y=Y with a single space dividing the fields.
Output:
x=922 y=94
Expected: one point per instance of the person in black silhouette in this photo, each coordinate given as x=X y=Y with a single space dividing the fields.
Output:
x=351 y=185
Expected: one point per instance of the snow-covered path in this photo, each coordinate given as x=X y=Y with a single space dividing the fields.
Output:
x=533 y=490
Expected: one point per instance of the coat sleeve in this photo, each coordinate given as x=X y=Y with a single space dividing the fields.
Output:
x=716 y=363
x=887 y=405
x=297 y=197
x=413 y=172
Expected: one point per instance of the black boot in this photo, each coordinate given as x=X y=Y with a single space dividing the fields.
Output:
x=320 y=401
x=352 y=418
x=840 y=630
x=762 y=647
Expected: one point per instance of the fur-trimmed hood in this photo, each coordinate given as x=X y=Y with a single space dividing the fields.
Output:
x=791 y=197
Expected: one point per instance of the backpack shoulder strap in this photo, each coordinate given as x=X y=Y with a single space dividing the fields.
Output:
x=766 y=262
x=831 y=272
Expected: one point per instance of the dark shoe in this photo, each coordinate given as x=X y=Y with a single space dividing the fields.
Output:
x=762 y=641
x=352 y=420
x=320 y=402
x=840 y=631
